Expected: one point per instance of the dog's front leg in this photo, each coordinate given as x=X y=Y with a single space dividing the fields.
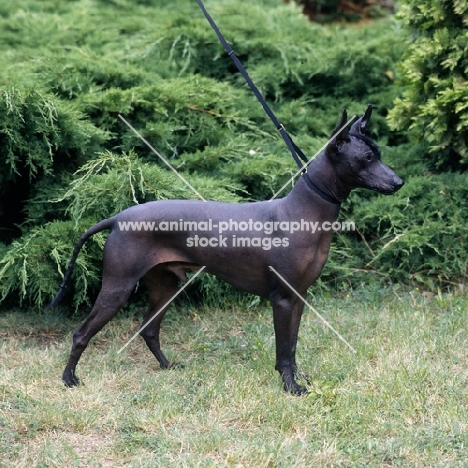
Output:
x=285 y=307
x=297 y=311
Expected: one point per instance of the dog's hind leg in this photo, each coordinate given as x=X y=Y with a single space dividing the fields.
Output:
x=161 y=285
x=113 y=295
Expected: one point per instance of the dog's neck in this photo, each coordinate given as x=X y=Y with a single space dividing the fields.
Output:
x=320 y=202
x=322 y=175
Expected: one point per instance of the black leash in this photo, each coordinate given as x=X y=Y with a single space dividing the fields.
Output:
x=295 y=151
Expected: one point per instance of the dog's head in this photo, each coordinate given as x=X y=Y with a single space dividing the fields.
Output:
x=356 y=158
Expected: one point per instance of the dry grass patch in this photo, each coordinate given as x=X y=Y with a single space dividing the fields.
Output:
x=399 y=401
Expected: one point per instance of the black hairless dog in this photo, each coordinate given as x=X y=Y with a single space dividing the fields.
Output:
x=246 y=240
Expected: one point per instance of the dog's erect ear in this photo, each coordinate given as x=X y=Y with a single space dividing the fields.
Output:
x=332 y=147
x=360 y=125
x=344 y=133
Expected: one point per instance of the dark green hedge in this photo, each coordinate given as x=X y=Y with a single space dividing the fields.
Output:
x=67 y=160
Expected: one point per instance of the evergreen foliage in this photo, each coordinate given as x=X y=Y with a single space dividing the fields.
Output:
x=32 y=267
x=419 y=235
x=110 y=183
x=40 y=135
x=435 y=71
x=67 y=160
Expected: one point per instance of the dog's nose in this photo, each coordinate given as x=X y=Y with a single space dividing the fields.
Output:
x=398 y=183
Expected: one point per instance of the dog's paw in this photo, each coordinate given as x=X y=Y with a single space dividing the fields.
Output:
x=295 y=389
x=71 y=380
x=173 y=365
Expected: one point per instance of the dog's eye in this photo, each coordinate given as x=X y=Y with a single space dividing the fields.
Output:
x=368 y=157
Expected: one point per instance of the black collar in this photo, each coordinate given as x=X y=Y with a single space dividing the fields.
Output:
x=319 y=192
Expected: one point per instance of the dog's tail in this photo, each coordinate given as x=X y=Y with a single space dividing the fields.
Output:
x=101 y=226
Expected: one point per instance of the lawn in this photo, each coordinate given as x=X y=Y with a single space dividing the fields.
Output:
x=400 y=400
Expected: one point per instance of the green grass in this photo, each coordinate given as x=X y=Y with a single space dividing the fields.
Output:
x=401 y=400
